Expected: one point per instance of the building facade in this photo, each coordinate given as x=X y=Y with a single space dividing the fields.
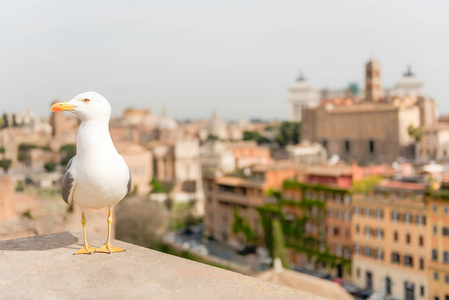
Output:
x=301 y=95
x=390 y=239
x=438 y=252
x=228 y=196
x=371 y=130
x=434 y=143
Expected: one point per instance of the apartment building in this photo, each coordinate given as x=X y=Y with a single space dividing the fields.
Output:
x=390 y=240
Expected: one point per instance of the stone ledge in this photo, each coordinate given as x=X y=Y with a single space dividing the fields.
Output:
x=43 y=267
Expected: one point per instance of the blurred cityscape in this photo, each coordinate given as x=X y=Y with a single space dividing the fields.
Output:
x=353 y=188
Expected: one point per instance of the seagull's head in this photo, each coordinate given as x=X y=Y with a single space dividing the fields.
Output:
x=87 y=106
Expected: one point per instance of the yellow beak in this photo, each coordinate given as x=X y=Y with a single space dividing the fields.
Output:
x=61 y=106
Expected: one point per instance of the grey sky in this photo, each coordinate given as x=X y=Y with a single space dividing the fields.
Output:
x=193 y=56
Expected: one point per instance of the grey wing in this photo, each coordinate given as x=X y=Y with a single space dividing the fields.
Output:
x=68 y=184
x=129 y=181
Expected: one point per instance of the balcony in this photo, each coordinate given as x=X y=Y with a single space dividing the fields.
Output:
x=43 y=267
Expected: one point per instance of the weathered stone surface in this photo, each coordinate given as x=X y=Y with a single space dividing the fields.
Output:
x=43 y=267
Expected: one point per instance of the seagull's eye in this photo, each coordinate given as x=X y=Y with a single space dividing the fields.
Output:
x=86 y=100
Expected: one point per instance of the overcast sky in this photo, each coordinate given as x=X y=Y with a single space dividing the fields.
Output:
x=193 y=56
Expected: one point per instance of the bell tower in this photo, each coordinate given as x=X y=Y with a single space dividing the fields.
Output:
x=373 y=86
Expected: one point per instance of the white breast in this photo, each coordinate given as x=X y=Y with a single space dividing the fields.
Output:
x=100 y=182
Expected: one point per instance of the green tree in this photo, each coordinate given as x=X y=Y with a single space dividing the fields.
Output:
x=366 y=185
x=67 y=152
x=5 y=164
x=157 y=186
x=415 y=132
x=279 y=243
x=5 y=121
x=27 y=146
x=241 y=225
x=255 y=136
x=23 y=157
x=212 y=137
x=14 y=122
x=50 y=166
x=289 y=133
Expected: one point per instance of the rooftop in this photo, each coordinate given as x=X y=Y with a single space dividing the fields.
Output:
x=401 y=185
x=43 y=267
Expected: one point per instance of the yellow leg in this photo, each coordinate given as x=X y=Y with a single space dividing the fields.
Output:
x=86 y=248
x=107 y=248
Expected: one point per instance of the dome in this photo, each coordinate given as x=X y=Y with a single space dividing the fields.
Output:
x=166 y=122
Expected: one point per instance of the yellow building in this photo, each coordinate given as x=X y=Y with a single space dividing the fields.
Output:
x=390 y=236
x=438 y=261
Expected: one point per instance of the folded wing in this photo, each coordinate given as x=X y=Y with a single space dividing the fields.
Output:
x=68 y=184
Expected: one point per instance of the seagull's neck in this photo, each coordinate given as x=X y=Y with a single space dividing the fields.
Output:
x=94 y=139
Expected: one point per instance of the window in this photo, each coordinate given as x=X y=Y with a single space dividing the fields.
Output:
x=346 y=215
x=347 y=147
x=421 y=291
x=434 y=255
x=368 y=251
x=407 y=238
x=367 y=212
x=346 y=199
x=408 y=260
x=445 y=210
x=394 y=216
x=338 y=250
x=435 y=276
x=379 y=254
x=446 y=278
x=371 y=147
x=395 y=258
x=338 y=198
x=421 y=240
x=356 y=210
x=367 y=232
x=444 y=230
x=434 y=208
x=421 y=263
x=408 y=218
x=357 y=228
x=337 y=214
x=356 y=248
x=379 y=214
x=358 y=273
x=435 y=229
x=346 y=252
x=421 y=220
x=446 y=257
x=395 y=236
x=379 y=234
x=336 y=231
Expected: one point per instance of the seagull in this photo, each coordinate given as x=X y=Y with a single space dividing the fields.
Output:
x=97 y=176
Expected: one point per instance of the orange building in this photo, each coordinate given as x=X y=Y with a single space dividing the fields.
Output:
x=389 y=234
x=228 y=195
x=323 y=214
x=248 y=153
x=438 y=250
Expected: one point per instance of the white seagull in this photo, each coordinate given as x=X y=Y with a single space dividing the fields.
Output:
x=97 y=176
